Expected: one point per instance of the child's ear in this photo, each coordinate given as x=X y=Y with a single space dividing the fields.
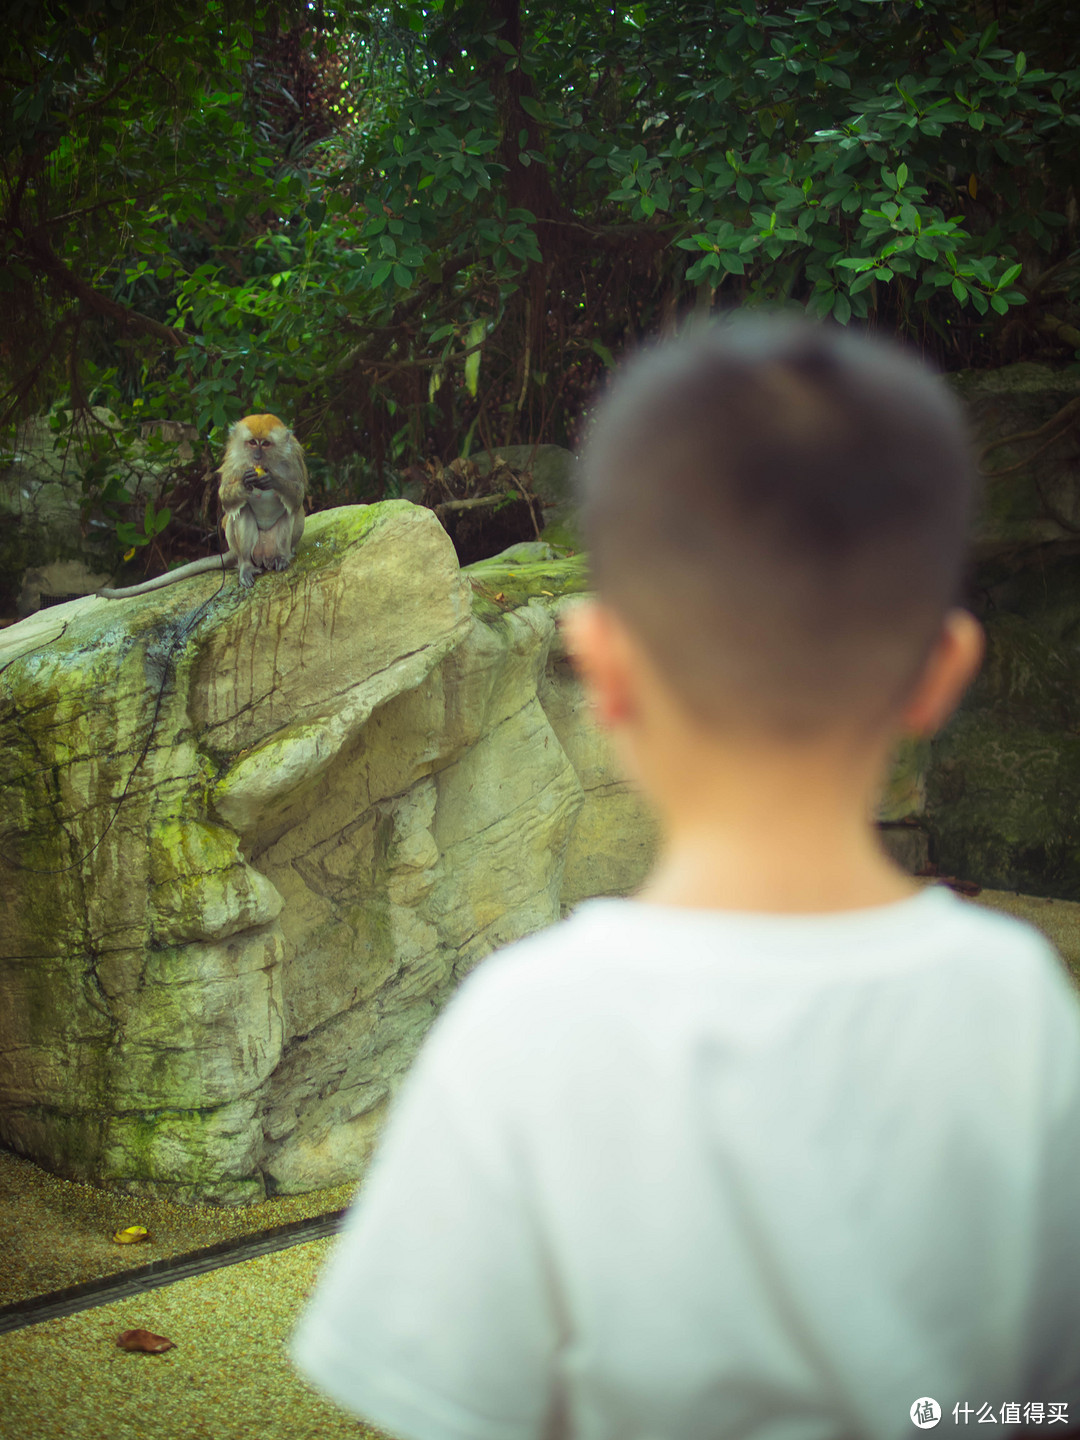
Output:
x=950 y=667
x=597 y=645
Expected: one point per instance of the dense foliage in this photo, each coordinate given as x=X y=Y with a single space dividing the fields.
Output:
x=422 y=228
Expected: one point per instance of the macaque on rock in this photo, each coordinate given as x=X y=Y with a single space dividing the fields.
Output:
x=262 y=489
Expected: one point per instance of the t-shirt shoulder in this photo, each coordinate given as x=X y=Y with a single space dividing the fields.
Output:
x=607 y=945
x=623 y=930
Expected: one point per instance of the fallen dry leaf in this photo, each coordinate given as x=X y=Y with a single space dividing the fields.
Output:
x=131 y=1236
x=144 y=1340
x=962 y=887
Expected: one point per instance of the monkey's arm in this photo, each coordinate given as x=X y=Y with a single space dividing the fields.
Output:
x=288 y=479
x=237 y=483
x=185 y=572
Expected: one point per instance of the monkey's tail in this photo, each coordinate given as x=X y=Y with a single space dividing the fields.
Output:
x=185 y=572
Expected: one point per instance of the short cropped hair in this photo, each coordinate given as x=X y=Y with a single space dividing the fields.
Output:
x=779 y=510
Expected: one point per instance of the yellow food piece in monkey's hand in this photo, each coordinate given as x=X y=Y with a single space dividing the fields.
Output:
x=132 y=1235
x=259 y=470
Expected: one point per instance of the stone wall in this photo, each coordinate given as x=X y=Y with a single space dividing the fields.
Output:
x=1003 y=779
x=217 y=958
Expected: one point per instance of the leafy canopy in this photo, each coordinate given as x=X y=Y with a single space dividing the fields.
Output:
x=423 y=227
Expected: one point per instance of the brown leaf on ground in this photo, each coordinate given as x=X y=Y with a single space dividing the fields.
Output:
x=962 y=887
x=144 y=1340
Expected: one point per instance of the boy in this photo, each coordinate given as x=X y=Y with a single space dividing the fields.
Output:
x=784 y=1146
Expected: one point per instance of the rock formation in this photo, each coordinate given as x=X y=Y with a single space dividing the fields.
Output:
x=252 y=841
x=218 y=956
x=1003 y=781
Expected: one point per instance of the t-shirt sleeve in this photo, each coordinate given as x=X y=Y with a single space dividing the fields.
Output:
x=1052 y=1334
x=433 y=1319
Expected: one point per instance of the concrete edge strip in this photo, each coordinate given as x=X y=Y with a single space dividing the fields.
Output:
x=166 y=1271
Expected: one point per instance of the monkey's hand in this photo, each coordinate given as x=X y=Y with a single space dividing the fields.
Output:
x=256 y=478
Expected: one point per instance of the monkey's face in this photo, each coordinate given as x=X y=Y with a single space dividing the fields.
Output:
x=260 y=436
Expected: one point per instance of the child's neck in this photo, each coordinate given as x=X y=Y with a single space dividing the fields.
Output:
x=772 y=828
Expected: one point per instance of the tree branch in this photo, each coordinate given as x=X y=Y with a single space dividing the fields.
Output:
x=41 y=254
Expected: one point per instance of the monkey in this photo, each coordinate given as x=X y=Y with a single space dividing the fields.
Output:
x=262 y=488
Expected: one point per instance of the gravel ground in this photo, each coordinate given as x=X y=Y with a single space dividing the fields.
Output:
x=55 y=1233
x=229 y=1377
x=1059 y=920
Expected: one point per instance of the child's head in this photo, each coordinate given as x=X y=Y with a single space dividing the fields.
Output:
x=778 y=512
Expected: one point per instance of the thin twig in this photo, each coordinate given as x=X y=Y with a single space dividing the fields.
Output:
x=474 y=502
x=529 y=500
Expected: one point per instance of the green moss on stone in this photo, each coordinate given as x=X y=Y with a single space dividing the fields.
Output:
x=1027 y=676
x=499 y=585
x=1003 y=805
x=905 y=789
x=562 y=536
x=328 y=533
x=185 y=849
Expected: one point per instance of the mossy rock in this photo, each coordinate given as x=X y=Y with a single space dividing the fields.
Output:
x=1022 y=477
x=1027 y=676
x=504 y=583
x=554 y=481
x=1003 y=805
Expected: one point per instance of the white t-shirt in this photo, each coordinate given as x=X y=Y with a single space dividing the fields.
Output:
x=667 y=1174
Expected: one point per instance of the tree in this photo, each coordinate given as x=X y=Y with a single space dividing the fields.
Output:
x=469 y=207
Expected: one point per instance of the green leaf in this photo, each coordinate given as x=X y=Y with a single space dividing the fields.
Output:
x=402 y=225
x=477 y=331
x=702 y=268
